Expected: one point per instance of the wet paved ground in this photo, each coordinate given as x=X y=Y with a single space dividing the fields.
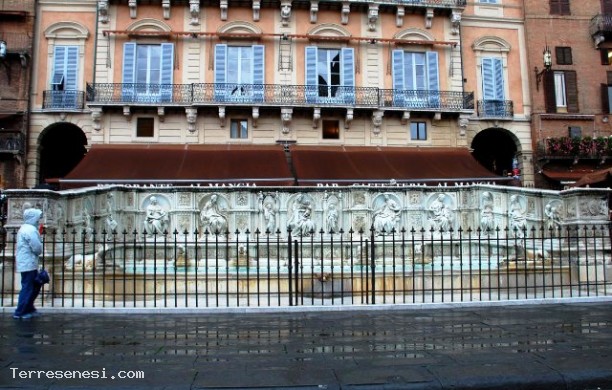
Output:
x=559 y=346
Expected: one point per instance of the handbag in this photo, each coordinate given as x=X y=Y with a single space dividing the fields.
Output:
x=42 y=277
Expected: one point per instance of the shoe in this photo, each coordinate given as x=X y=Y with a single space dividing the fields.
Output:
x=27 y=316
x=36 y=313
x=16 y=317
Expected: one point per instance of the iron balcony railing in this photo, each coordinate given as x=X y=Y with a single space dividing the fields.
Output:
x=276 y=95
x=63 y=100
x=132 y=269
x=12 y=142
x=418 y=3
x=426 y=100
x=496 y=109
x=601 y=25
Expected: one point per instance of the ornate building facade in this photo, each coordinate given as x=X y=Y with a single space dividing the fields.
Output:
x=568 y=49
x=16 y=37
x=421 y=76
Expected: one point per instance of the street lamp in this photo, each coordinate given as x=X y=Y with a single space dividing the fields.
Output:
x=547 y=58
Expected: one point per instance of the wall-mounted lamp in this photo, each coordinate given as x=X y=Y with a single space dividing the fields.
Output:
x=2 y=49
x=547 y=58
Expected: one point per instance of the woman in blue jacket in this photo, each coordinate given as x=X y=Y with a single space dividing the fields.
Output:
x=29 y=247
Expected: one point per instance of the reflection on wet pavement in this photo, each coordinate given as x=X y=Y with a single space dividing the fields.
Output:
x=428 y=341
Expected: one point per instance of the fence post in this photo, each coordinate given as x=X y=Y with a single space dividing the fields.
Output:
x=289 y=265
x=373 y=264
x=296 y=265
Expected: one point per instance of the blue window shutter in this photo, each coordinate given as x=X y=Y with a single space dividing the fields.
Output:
x=59 y=63
x=258 y=72
x=129 y=64
x=311 y=74
x=70 y=73
x=492 y=86
x=433 y=82
x=499 y=79
x=488 y=81
x=220 y=71
x=167 y=70
x=167 y=63
x=58 y=80
x=347 y=59
x=72 y=67
x=398 y=78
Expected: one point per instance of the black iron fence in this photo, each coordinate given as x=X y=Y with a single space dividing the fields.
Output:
x=237 y=269
x=277 y=95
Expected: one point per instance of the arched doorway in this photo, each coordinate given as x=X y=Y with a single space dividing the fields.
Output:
x=495 y=150
x=61 y=148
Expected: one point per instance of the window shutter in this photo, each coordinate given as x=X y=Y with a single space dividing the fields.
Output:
x=605 y=60
x=559 y=7
x=129 y=62
x=433 y=83
x=311 y=73
x=220 y=71
x=488 y=82
x=167 y=70
x=59 y=64
x=258 y=72
x=398 y=78
x=498 y=71
x=564 y=55
x=571 y=91
x=549 y=92
x=167 y=63
x=347 y=59
x=129 y=65
x=72 y=65
x=605 y=98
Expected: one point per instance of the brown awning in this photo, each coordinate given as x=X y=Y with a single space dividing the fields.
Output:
x=601 y=178
x=572 y=171
x=354 y=165
x=181 y=165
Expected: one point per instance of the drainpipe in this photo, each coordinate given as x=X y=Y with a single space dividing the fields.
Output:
x=31 y=88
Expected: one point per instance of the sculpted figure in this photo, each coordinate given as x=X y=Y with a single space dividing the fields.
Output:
x=211 y=218
x=487 y=222
x=440 y=214
x=553 y=216
x=516 y=216
x=386 y=217
x=156 y=218
x=332 y=218
x=301 y=220
x=267 y=207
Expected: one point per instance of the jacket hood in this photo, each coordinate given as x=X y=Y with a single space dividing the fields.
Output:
x=32 y=216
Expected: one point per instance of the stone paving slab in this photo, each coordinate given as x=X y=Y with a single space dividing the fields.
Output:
x=544 y=346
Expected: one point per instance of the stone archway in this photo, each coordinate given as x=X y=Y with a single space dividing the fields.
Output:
x=61 y=148
x=495 y=149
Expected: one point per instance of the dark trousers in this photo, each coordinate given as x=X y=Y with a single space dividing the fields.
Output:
x=29 y=291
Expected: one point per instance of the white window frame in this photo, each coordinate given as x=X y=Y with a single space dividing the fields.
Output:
x=345 y=91
x=229 y=89
x=154 y=90
x=560 y=92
